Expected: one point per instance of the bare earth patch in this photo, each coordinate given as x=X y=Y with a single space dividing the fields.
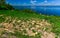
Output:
x=48 y=35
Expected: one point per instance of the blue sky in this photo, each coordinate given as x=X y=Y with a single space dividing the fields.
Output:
x=20 y=2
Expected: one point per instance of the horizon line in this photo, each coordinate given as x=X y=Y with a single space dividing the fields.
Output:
x=35 y=5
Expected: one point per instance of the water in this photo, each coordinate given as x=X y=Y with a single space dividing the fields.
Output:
x=48 y=10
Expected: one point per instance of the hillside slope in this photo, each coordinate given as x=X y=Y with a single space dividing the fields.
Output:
x=23 y=24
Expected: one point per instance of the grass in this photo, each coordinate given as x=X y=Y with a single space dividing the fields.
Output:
x=22 y=15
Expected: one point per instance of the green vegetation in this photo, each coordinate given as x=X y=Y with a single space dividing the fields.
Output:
x=27 y=23
x=4 y=6
x=26 y=15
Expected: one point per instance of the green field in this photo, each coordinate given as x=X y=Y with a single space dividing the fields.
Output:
x=9 y=16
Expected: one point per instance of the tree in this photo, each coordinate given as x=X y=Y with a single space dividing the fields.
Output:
x=2 y=2
x=4 y=6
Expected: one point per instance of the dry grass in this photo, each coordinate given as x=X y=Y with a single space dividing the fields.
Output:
x=30 y=27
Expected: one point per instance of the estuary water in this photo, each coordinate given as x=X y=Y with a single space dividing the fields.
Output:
x=48 y=10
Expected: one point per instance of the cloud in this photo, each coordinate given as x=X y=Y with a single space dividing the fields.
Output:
x=48 y=3
x=33 y=2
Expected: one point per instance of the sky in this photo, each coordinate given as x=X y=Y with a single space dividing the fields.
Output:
x=33 y=2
